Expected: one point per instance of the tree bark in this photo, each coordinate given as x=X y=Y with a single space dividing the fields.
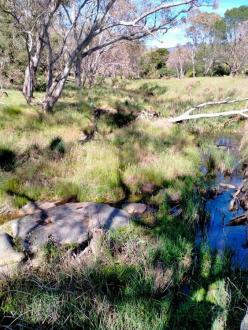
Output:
x=28 y=84
x=35 y=46
x=78 y=72
x=193 y=63
x=54 y=92
x=30 y=75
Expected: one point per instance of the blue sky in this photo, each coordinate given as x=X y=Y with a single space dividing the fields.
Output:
x=177 y=35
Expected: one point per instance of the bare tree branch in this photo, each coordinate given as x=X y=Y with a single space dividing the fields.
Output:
x=188 y=114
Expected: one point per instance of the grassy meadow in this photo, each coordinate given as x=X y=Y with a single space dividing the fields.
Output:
x=99 y=146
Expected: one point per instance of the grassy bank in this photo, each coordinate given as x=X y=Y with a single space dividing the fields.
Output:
x=123 y=154
x=98 y=147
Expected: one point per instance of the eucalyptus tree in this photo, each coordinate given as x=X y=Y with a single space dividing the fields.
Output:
x=179 y=60
x=202 y=33
x=68 y=29
x=32 y=20
x=236 y=38
x=80 y=22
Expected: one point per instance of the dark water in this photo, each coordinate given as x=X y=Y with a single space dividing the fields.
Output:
x=215 y=233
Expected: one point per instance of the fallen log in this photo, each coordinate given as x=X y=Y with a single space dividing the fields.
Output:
x=186 y=117
x=213 y=103
x=241 y=220
x=188 y=114
x=227 y=186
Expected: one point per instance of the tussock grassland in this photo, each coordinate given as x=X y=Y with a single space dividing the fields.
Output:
x=122 y=151
x=96 y=147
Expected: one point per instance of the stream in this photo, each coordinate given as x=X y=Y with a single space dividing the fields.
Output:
x=215 y=233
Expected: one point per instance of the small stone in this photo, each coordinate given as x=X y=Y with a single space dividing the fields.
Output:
x=135 y=208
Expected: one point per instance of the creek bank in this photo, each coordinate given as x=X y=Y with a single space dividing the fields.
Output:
x=223 y=205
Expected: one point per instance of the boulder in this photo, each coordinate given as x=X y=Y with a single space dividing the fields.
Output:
x=71 y=223
x=135 y=208
x=8 y=256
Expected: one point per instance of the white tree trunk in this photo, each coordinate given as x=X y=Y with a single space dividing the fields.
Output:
x=54 y=92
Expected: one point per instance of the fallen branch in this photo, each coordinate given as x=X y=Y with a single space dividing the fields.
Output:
x=213 y=103
x=227 y=186
x=238 y=221
x=234 y=204
x=188 y=114
x=186 y=117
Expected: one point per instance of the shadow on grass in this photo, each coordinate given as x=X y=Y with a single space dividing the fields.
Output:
x=7 y=159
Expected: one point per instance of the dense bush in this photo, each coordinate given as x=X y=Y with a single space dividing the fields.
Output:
x=153 y=64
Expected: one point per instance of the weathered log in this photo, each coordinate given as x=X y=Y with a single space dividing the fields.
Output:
x=227 y=186
x=186 y=117
x=188 y=114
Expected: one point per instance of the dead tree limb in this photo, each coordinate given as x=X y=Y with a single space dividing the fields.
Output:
x=186 y=117
x=188 y=114
x=238 y=221
x=213 y=103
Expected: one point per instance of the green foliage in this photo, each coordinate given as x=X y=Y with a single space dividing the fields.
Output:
x=152 y=89
x=221 y=69
x=12 y=51
x=153 y=63
x=235 y=16
x=41 y=84
x=51 y=252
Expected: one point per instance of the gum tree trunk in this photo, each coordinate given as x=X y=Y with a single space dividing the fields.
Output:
x=53 y=93
x=30 y=78
x=78 y=73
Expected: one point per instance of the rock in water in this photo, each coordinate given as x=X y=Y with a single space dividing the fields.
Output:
x=66 y=224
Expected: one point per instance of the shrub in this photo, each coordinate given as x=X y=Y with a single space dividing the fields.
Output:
x=40 y=84
x=152 y=89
